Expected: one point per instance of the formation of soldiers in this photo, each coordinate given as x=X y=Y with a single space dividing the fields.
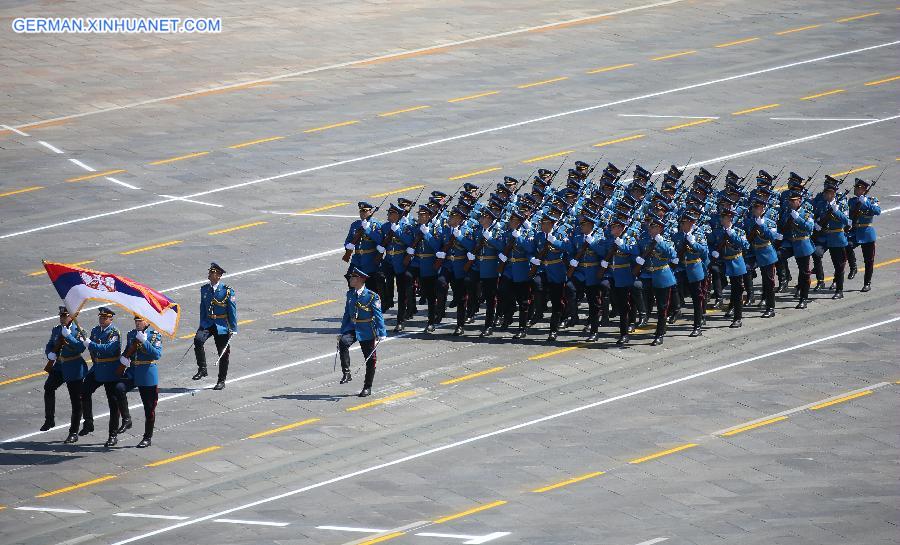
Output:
x=622 y=245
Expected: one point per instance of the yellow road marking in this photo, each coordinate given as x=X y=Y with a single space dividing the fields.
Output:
x=383 y=538
x=414 y=108
x=880 y=81
x=188 y=336
x=323 y=208
x=840 y=400
x=758 y=108
x=394 y=192
x=44 y=271
x=544 y=82
x=877 y=265
x=401 y=395
x=305 y=307
x=333 y=126
x=75 y=487
x=690 y=124
x=555 y=352
x=283 y=428
x=93 y=175
x=399 y=56
x=24 y=377
x=569 y=24
x=238 y=228
x=825 y=94
x=662 y=453
x=468 y=512
x=609 y=68
x=23 y=190
x=673 y=55
x=180 y=158
x=183 y=456
x=737 y=42
x=799 y=29
x=254 y=142
x=476 y=173
x=243 y=322
x=855 y=17
x=155 y=246
x=225 y=90
x=542 y=157
x=753 y=426
x=616 y=141
x=854 y=170
x=457 y=379
x=472 y=97
x=567 y=482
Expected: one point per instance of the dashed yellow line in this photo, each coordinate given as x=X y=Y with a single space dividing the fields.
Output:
x=255 y=142
x=183 y=456
x=840 y=400
x=749 y=427
x=323 y=208
x=180 y=158
x=93 y=175
x=757 y=109
x=23 y=190
x=237 y=228
x=153 y=247
x=552 y=155
x=472 y=97
x=20 y=379
x=555 y=352
x=283 y=428
x=616 y=141
x=476 y=173
x=673 y=55
x=857 y=17
x=75 y=486
x=396 y=191
x=44 y=271
x=305 y=307
x=383 y=538
x=567 y=482
x=880 y=81
x=610 y=68
x=689 y=124
x=458 y=379
x=395 y=112
x=544 y=82
x=825 y=94
x=798 y=29
x=853 y=171
x=472 y=511
x=332 y=126
x=737 y=42
x=383 y=400
x=662 y=453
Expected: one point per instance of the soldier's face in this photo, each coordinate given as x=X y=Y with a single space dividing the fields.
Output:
x=356 y=282
x=63 y=319
x=214 y=277
x=363 y=213
x=140 y=324
x=617 y=230
x=586 y=227
x=393 y=217
x=795 y=204
x=655 y=229
x=828 y=194
x=686 y=226
x=105 y=320
x=858 y=190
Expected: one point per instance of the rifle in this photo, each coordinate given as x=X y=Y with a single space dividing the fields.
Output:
x=390 y=236
x=478 y=248
x=827 y=217
x=418 y=238
x=636 y=270
x=854 y=214
x=57 y=346
x=612 y=249
x=357 y=236
x=129 y=353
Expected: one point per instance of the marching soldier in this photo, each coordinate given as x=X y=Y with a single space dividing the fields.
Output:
x=798 y=228
x=104 y=345
x=623 y=279
x=137 y=367
x=832 y=217
x=730 y=242
x=362 y=242
x=64 y=351
x=657 y=253
x=863 y=210
x=362 y=322
x=692 y=253
x=761 y=233
x=485 y=257
x=218 y=319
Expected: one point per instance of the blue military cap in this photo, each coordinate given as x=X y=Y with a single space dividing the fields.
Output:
x=662 y=203
x=425 y=209
x=675 y=172
x=489 y=213
x=394 y=208
x=653 y=218
x=832 y=182
x=581 y=165
x=607 y=181
x=765 y=176
x=727 y=211
x=527 y=200
x=363 y=205
x=404 y=203
x=214 y=267
x=470 y=187
x=669 y=181
x=859 y=182
x=574 y=183
x=554 y=210
x=586 y=218
x=703 y=173
x=620 y=218
x=509 y=180
x=729 y=200
x=458 y=211
x=548 y=217
x=794 y=177
x=438 y=194
x=516 y=214
x=502 y=189
x=641 y=172
x=687 y=215
x=105 y=311
x=465 y=207
x=612 y=170
x=567 y=192
x=63 y=311
x=731 y=177
x=354 y=271
x=795 y=195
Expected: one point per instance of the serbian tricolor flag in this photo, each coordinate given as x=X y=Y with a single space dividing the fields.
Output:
x=76 y=286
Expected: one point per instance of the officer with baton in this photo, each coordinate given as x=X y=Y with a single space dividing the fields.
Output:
x=362 y=322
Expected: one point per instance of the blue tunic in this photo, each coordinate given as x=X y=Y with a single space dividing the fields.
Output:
x=69 y=358
x=695 y=255
x=761 y=238
x=657 y=262
x=863 y=231
x=362 y=315
x=218 y=308
x=732 y=253
x=143 y=370
x=105 y=347
x=832 y=223
x=364 y=253
x=798 y=232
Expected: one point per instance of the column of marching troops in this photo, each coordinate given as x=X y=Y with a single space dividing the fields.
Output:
x=623 y=246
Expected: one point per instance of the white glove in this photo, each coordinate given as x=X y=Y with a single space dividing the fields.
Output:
x=834 y=206
x=440 y=255
x=639 y=260
x=424 y=229
x=380 y=249
x=778 y=236
x=691 y=239
x=551 y=238
x=760 y=221
x=470 y=256
x=817 y=227
x=658 y=239
x=365 y=224
x=795 y=214
x=863 y=199
x=589 y=239
x=517 y=233
x=675 y=261
x=379 y=339
x=620 y=242
x=51 y=356
x=457 y=232
x=487 y=235
x=124 y=361
x=140 y=336
x=411 y=251
x=395 y=227
x=604 y=263
x=535 y=261
x=501 y=257
x=730 y=231
x=527 y=225
x=573 y=262
x=349 y=246
x=715 y=254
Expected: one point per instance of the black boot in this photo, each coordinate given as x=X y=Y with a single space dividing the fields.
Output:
x=658 y=340
x=145 y=442
x=696 y=332
x=770 y=312
x=736 y=324
x=72 y=438
x=552 y=337
x=866 y=287
x=346 y=378
x=366 y=392
x=623 y=340
x=838 y=295
x=801 y=305
x=852 y=273
x=458 y=331
x=520 y=334
x=48 y=423
x=201 y=372
x=126 y=425
x=111 y=442
x=220 y=385
x=487 y=332
x=820 y=285
x=87 y=428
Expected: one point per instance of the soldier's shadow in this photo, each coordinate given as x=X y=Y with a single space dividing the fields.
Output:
x=311 y=397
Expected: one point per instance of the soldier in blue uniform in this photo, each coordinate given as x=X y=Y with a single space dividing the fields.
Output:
x=552 y=267
x=797 y=227
x=485 y=257
x=622 y=277
x=143 y=348
x=515 y=280
x=362 y=322
x=832 y=217
x=729 y=242
x=587 y=248
x=692 y=253
x=104 y=345
x=363 y=238
x=657 y=253
x=218 y=319
x=64 y=349
x=863 y=210
x=762 y=233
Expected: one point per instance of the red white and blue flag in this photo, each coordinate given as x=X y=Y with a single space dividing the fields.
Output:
x=77 y=285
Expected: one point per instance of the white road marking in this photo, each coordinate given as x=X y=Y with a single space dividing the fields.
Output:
x=253 y=522
x=326 y=215
x=192 y=201
x=502 y=431
x=353 y=529
x=146 y=516
x=894 y=209
x=15 y=130
x=673 y=116
x=471 y=540
x=120 y=182
x=653 y=541
x=450 y=139
x=822 y=118
x=50 y=147
x=53 y=510
x=360 y=61
x=82 y=165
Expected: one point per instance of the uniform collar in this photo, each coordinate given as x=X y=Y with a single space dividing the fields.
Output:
x=214 y=288
x=360 y=291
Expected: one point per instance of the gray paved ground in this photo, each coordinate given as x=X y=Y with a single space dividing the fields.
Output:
x=824 y=475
